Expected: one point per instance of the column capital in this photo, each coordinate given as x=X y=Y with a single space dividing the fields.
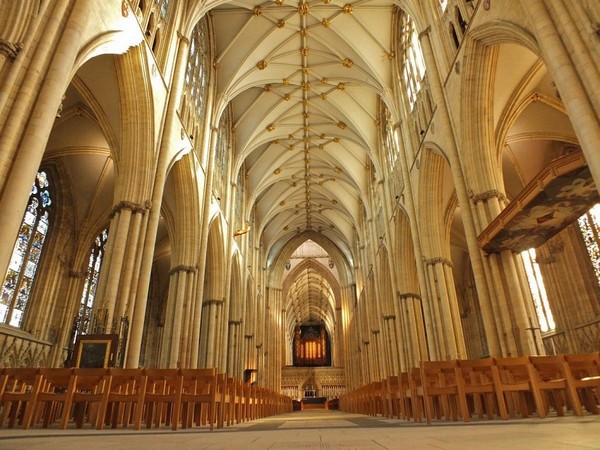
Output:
x=133 y=207
x=182 y=268
x=438 y=260
x=425 y=32
x=183 y=38
x=212 y=301
x=74 y=274
x=408 y=295
x=484 y=196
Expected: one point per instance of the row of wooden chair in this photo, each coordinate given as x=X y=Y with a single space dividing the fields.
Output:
x=130 y=397
x=491 y=387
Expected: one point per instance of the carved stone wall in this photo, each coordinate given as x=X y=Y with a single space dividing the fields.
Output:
x=20 y=349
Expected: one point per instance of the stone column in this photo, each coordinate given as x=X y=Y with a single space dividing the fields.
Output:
x=24 y=151
x=179 y=279
x=172 y=127
x=425 y=349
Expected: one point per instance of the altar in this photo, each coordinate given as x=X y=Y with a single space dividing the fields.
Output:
x=313 y=403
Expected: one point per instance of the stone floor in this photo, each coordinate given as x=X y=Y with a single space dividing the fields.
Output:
x=320 y=429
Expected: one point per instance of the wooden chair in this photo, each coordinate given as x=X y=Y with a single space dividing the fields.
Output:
x=442 y=390
x=413 y=395
x=374 y=398
x=124 y=400
x=555 y=382
x=54 y=399
x=514 y=384
x=19 y=390
x=163 y=397
x=392 y=397
x=90 y=389
x=198 y=397
x=478 y=386
x=240 y=402
x=585 y=372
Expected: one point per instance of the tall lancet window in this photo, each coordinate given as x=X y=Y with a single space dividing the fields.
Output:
x=589 y=224
x=413 y=64
x=26 y=253
x=196 y=74
x=82 y=321
x=221 y=174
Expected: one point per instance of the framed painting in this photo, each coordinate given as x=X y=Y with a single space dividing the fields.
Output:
x=96 y=350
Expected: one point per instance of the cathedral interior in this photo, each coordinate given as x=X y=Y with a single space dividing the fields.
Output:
x=309 y=195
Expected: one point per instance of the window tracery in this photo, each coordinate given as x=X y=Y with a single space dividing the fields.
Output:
x=538 y=291
x=413 y=64
x=83 y=319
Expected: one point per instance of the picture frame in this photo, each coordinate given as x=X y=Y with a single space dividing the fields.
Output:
x=96 y=350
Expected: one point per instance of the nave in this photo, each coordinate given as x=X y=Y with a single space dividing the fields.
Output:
x=313 y=429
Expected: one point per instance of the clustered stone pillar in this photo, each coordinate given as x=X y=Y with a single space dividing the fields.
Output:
x=439 y=98
x=413 y=342
x=574 y=68
x=175 y=337
x=212 y=312
x=511 y=298
x=449 y=339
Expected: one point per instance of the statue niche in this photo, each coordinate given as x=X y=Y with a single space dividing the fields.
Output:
x=311 y=346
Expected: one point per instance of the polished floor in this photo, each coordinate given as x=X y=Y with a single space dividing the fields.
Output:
x=329 y=430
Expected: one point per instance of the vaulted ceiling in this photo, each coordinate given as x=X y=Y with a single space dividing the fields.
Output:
x=304 y=81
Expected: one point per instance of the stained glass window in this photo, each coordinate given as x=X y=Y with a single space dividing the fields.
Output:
x=413 y=64
x=196 y=75
x=26 y=253
x=538 y=291
x=443 y=5
x=82 y=321
x=589 y=224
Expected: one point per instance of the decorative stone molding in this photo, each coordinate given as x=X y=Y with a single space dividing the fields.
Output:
x=485 y=196
x=386 y=318
x=182 y=268
x=235 y=322
x=9 y=49
x=248 y=336
x=133 y=207
x=438 y=260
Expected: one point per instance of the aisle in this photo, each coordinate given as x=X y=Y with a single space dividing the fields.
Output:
x=320 y=429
